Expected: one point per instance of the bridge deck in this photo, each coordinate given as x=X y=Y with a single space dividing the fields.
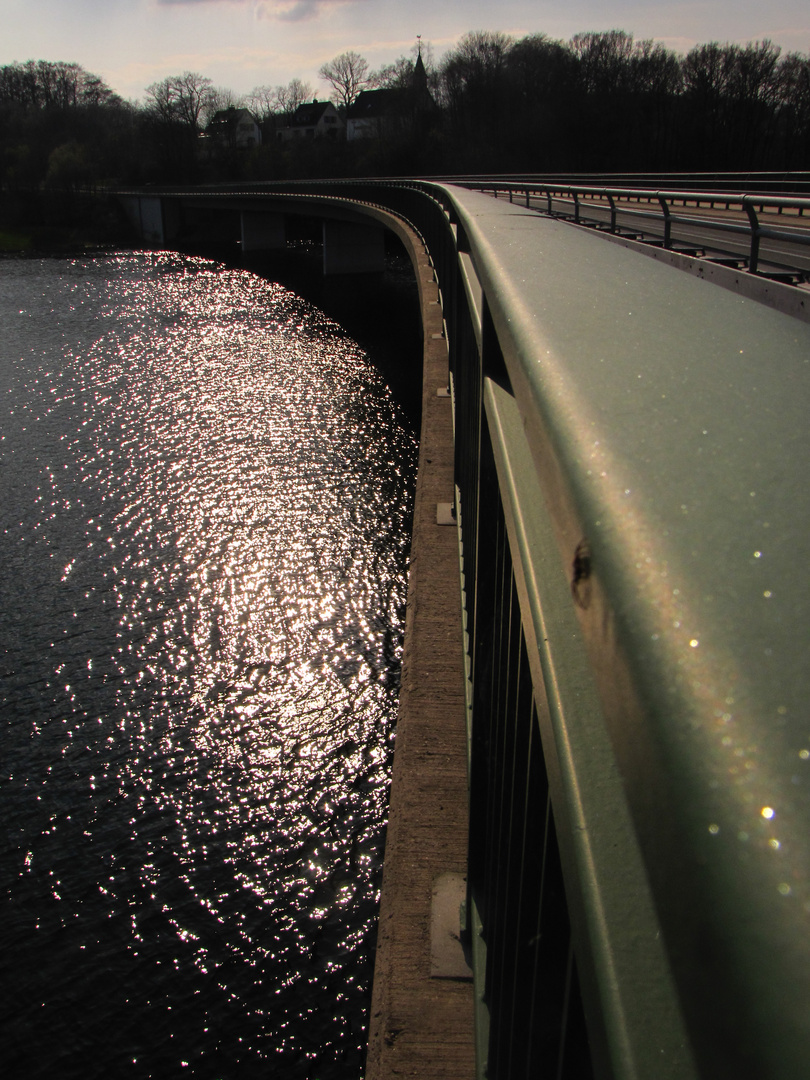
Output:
x=422 y=1025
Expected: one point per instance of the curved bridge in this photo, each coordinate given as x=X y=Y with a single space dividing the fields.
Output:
x=630 y=440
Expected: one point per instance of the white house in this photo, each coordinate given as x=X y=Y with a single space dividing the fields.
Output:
x=313 y=119
x=235 y=128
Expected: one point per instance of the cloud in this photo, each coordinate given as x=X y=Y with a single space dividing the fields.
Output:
x=296 y=10
x=285 y=10
x=281 y=10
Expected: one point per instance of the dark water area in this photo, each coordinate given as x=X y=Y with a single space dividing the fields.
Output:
x=206 y=488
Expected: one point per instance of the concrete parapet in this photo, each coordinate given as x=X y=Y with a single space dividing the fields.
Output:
x=422 y=1009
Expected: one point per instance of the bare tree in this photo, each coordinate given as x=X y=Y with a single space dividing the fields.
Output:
x=159 y=102
x=193 y=93
x=348 y=75
x=185 y=98
x=395 y=76
x=289 y=97
x=262 y=102
x=221 y=98
x=399 y=75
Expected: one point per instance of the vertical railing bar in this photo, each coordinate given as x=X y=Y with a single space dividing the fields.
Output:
x=510 y=763
x=566 y=1005
x=504 y=708
x=538 y=930
x=522 y=806
x=497 y=668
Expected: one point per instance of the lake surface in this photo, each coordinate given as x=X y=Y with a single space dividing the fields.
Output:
x=205 y=497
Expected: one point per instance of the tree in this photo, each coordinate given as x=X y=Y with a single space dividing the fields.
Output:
x=538 y=125
x=604 y=60
x=348 y=74
x=174 y=113
x=474 y=88
x=184 y=99
x=69 y=167
x=793 y=77
x=222 y=98
x=399 y=75
x=289 y=97
x=262 y=102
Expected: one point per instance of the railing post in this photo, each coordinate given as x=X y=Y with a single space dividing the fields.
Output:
x=750 y=209
x=667 y=221
x=612 y=202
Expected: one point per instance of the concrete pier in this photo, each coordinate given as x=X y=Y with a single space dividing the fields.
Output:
x=262 y=232
x=422 y=1004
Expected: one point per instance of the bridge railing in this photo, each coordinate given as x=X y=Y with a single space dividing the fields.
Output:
x=617 y=728
x=632 y=211
x=552 y=998
x=634 y=523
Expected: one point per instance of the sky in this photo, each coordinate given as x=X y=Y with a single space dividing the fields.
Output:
x=241 y=44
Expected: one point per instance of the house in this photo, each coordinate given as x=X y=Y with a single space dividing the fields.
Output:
x=234 y=129
x=367 y=115
x=311 y=120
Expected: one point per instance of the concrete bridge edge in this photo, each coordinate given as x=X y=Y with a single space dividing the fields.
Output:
x=421 y=1024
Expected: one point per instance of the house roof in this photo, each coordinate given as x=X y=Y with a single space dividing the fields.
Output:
x=370 y=104
x=229 y=115
x=309 y=113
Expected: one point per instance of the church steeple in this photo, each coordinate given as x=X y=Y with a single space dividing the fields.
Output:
x=419 y=73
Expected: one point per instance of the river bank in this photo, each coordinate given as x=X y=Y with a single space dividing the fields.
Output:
x=61 y=223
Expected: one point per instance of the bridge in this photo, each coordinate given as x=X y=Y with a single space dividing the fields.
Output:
x=606 y=675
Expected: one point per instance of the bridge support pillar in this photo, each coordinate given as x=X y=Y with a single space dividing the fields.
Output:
x=146 y=217
x=262 y=232
x=353 y=249
x=150 y=212
x=172 y=214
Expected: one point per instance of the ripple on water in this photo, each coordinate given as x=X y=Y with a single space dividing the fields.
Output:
x=205 y=554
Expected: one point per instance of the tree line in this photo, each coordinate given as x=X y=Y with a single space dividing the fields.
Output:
x=599 y=102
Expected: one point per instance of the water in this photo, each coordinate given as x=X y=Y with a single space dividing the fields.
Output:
x=205 y=497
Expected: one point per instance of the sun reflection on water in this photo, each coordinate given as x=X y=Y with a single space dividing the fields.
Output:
x=253 y=476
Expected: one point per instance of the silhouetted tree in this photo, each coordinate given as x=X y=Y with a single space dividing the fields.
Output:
x=348 y=74
x=289 y=97
x=474 y=92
